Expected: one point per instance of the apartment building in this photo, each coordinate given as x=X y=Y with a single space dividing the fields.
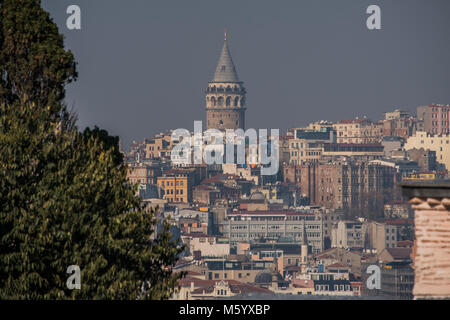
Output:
x=398 y=123
x=175 y=185
x=342 y=184
x=358 y=131
x=440 y=143
x=349 y=234
x=434 y=119
x=382 y=235
x=159 y=146
x=245 y=226
x=397 y=281
x=307 y=145
x=144 y=173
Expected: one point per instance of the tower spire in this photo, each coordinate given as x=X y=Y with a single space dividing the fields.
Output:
x=225 y=70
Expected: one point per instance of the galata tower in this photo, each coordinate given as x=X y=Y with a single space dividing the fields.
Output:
x=225 y=95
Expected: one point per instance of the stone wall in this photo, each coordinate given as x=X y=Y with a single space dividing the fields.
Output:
x=431 y=203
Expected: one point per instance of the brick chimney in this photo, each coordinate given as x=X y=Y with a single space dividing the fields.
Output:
x=431 y=252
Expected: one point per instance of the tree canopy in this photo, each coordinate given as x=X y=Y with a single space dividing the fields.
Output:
x=64 y=196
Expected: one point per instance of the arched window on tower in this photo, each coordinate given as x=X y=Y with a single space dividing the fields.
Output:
x=220 y=101
x=228 y=89
x=213 y=89
x=228 y=101
x=213 y=101
x=236 y=101
x=242 y=102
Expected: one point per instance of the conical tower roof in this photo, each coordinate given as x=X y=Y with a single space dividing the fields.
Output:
x=225 y=71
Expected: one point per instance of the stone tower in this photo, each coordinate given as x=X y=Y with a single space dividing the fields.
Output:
x=225 y=95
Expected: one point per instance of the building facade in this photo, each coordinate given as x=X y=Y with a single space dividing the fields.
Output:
x=435 y=142
x=434 y=119
x=245 y=226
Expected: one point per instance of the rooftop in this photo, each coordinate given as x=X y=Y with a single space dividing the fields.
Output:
x=225 y=71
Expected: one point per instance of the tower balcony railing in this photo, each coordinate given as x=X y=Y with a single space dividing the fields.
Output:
x=209 y=90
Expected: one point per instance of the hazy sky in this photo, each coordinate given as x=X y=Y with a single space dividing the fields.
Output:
x=144 y=64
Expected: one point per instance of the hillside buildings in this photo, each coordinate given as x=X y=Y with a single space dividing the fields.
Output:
x=333 y=208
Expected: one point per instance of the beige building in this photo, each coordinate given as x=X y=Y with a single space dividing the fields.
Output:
x=358 y=131
x=307 y=146
x=349 y=234
x=382 y=236
x=159 y=146
x=248 y=173
x=438 y=143
x=209 y=246
x=321 y=125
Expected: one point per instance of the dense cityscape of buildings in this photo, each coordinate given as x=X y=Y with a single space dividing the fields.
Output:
x=334 y=208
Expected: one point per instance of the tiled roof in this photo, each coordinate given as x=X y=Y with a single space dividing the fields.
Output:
x=302 y=283
x=400 y=253
x=236 y=287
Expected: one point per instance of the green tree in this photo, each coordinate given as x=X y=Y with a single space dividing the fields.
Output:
x=64 y=197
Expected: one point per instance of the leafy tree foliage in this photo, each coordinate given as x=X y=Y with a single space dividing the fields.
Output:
x=64 y=197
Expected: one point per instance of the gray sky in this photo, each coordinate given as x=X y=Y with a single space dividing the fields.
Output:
x=143 y=65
